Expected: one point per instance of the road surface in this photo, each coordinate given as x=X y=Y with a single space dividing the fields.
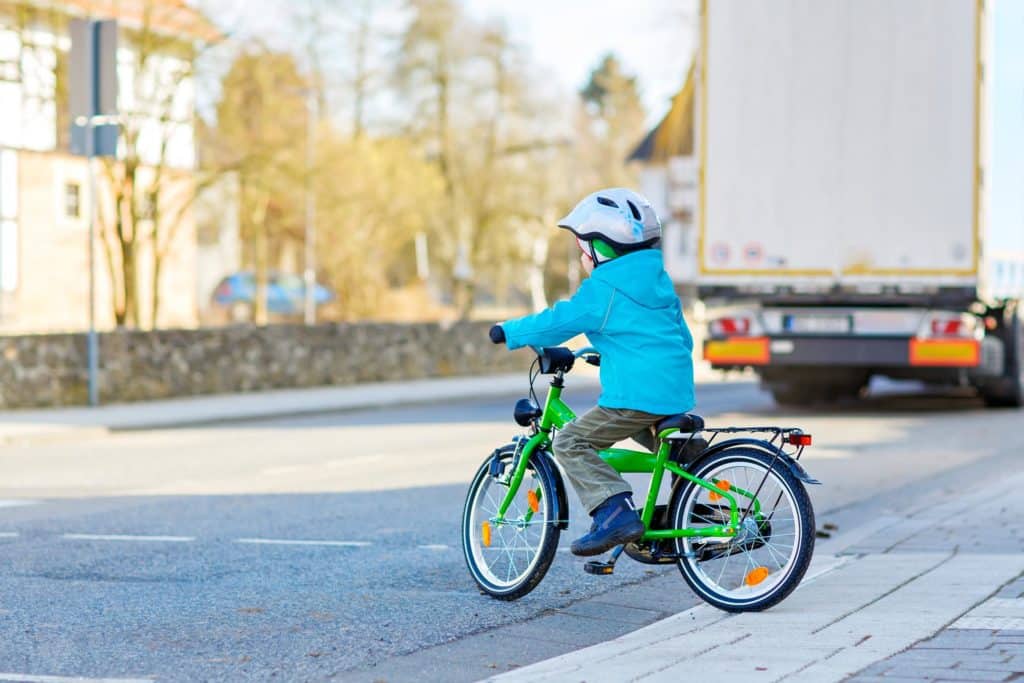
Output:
x=319 y=547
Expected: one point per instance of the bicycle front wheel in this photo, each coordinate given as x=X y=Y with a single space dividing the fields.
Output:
x=509 y=556
x=766 y=559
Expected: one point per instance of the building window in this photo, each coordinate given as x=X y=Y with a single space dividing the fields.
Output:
x=72 y=200
x=8 y=220
x=8 y=256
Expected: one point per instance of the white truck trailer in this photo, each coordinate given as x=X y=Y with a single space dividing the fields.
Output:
x=861 y=193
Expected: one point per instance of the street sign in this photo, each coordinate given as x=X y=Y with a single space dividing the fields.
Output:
x=92 y=67
x=92 y=71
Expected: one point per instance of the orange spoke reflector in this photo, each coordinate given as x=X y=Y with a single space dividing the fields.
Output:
x=531 y=498
x=485 y=533
x=723 y=485
x=756 y=576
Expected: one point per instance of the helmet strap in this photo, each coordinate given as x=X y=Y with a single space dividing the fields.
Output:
x=601 y=251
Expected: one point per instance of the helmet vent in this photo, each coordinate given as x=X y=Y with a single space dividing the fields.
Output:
x=633 y=210
x=607 y=202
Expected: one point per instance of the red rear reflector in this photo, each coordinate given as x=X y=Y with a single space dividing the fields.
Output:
x=798 y=439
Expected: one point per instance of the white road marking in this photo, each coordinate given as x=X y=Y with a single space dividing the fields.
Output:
x=282 y=541
x=433 y=546
x=8 y=534
x=989 y=623
x=127 y=537
x=30 y=678
x=995 y=614
x=17 y=503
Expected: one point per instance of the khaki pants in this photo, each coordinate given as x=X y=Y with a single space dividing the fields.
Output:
x=576 y=447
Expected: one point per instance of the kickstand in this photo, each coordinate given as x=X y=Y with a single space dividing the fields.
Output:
x=604 y=568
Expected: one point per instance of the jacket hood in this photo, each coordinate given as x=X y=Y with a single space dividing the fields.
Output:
x=641 y=276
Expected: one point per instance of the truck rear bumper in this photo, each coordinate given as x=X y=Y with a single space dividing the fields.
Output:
x=870 y=353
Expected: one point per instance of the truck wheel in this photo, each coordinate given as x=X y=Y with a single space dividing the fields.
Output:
x=1009 y=393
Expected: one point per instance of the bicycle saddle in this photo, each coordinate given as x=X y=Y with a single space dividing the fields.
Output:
x=684 y=422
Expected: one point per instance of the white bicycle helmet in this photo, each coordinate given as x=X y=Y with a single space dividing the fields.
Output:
x=617 y=218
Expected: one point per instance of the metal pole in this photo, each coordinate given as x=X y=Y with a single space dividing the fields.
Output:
x=93 y=351
x=309 y=272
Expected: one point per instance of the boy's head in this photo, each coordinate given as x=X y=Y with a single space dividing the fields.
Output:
x=610 y=223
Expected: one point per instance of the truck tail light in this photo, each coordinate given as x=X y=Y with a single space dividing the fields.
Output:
x=730 y=327
x=947 y=328
x=943 y=325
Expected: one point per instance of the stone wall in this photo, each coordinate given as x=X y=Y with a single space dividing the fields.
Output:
x=51 y=370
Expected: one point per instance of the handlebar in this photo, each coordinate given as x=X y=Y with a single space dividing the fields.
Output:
x=558 y=359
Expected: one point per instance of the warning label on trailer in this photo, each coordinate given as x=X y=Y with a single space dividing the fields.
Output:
x=753 y=254
x=720 y=253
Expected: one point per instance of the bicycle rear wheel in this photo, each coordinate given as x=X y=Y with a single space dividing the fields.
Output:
x=508 y=558
x=765 y=561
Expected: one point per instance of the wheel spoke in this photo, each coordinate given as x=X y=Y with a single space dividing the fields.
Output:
x=767 y=539
x=520 y=541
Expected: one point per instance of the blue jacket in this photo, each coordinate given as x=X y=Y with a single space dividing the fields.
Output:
x=630 y=313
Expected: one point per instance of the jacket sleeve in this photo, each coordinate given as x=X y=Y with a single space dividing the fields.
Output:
x=585 y=312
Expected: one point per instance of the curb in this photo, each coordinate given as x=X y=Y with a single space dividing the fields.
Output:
x=62 y=424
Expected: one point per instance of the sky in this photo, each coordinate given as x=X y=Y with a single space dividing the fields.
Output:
x=653 y=38
x=565 y=39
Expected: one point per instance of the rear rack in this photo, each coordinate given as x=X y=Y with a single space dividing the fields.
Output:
x=780 y=437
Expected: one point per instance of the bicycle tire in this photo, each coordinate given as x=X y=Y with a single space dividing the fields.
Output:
x=523 y=582
x=693 y=552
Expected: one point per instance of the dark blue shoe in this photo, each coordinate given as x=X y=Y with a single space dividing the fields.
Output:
x=615 y=522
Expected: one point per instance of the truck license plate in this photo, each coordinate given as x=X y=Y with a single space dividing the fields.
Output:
x=817 y=324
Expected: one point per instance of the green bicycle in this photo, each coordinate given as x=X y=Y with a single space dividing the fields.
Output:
x=739 y=523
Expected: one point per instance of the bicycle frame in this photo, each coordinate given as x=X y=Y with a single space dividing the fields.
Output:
x=557 y=414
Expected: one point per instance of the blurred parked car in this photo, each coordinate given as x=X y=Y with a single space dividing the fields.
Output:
x=235 y=296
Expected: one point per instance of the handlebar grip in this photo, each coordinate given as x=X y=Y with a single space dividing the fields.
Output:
x=497 y=334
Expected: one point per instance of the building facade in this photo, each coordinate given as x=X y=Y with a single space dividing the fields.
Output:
x=145 y=230
x=668 y=178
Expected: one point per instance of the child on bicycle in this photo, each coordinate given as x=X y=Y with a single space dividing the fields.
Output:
x=630 y=313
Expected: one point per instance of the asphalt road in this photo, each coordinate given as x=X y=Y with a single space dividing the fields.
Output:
x=311 y=548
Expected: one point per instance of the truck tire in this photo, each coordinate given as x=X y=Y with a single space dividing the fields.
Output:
x=1009 y=393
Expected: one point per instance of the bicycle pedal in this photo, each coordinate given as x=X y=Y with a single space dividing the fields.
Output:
x=599 y=568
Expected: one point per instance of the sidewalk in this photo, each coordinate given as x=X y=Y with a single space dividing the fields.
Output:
x=934 y=595
x=20 y=426
x=60 y=423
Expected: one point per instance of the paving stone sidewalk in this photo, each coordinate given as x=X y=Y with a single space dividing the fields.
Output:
x=985 y=645
x=932 y=593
